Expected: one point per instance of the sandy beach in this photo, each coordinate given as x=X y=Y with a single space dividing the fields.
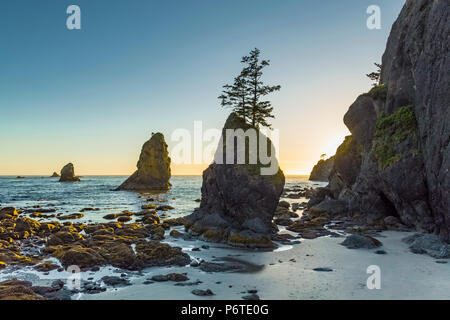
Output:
x=404 y=275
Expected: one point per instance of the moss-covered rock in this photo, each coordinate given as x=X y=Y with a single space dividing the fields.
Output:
x=378 y=92
x=64 y=237
x=46 y=266
x=17 y=290
x=154 y=253
x=390 y=131
x=78 y=255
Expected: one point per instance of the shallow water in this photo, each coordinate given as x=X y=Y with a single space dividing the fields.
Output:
x=96 y=192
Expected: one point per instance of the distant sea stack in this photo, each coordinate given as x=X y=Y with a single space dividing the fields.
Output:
x=322 y=170
x=153 y=167
x=68 y=174
x=396 y=163
x=238 y=203
x=55 y=175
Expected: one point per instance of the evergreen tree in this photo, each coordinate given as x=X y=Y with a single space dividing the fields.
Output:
x=236 y=96
x=260 y=111
x=375 y=76
x=244 y=96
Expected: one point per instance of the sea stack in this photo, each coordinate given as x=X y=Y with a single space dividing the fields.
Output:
x=68 y=174
x=55 y=175
x=153 y=167
x=395 y=165
x=322 y=170
x=238 y=202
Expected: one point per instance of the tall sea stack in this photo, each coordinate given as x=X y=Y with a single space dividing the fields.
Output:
x=153 y=167
x=395 y=165
x=68 y=174
x=238 y=202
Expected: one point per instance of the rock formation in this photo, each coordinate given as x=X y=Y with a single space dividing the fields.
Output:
x=322 y=170
x=54 y=175
x=153 y=171
x=396 y=162
x=238 y=202
x=68 y=174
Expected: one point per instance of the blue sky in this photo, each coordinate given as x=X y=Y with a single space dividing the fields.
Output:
x=93 y=96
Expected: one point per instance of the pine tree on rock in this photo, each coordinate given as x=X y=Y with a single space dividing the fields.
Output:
x=244 y=96
x=236 y=96
x=260 y=111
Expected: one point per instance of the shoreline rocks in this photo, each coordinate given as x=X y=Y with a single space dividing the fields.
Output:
x=26 y=242
x=153 y=168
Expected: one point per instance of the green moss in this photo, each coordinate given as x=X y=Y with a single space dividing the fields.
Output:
x=378 y=92
x=389 y=132
x=241 y=240
x=214 y=235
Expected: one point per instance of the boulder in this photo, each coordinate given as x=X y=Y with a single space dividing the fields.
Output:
x=428 y=244
x=202 y=293
x=46 y=266
x=153 y=167
x=360 y=241
x=80 y=256
x=154 y=253
x=64 y=237
x=238 y=199
x=17 y=290
x=68 y=174
x=176 y=277
x=330 y=206
x=116 y=281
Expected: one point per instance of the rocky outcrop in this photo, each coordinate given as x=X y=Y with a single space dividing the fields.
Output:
x=322 y=170
x=238 y=202
x=130 y=246
x=396 y=163
x=55 y=175
x=17 y=290
x=153 y=171
x=68 y=174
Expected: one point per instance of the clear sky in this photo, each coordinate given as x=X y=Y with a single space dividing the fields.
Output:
x=93 y=96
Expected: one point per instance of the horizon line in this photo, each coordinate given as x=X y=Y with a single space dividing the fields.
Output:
x=124 y=175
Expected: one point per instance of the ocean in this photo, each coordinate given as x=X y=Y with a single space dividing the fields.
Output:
x=37 y=193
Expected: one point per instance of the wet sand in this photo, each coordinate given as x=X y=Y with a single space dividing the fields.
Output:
x=404 y=275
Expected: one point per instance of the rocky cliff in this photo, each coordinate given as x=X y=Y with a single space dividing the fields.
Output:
x=395 y=165
x=238 y=201
x=153 y=167
x=68 y=174
x=322 y=170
